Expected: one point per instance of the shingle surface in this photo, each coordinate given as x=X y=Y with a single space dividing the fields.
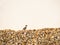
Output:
x=45 y=36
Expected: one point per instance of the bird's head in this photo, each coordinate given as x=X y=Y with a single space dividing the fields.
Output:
x=26 y=25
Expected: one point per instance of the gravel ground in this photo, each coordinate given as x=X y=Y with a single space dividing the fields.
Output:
x=45 y=36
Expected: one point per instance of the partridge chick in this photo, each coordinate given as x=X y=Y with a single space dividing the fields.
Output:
x=25 y=27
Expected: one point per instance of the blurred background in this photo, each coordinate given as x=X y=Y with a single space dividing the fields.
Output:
x=15 y=14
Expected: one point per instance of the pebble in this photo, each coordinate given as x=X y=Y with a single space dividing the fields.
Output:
x=45 y=36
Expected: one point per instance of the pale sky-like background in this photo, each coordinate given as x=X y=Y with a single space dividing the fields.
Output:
x=15 y=14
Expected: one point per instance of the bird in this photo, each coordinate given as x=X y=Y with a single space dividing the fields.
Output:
x=25 y=27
